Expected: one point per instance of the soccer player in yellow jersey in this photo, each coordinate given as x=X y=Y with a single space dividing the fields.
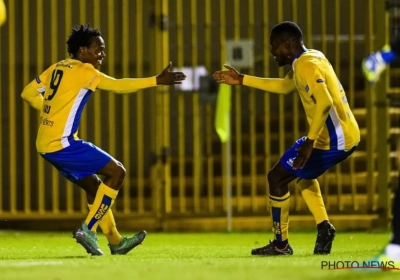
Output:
x=61 y=93
x=333 y=134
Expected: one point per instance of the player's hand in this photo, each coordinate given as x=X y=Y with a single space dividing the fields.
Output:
x=167 y=77
x=229 y=77
x=303 y=154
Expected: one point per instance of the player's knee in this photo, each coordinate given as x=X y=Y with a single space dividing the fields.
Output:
x=272 y=178
x=272 y=183
x=120 y=173
x=276 y=188
x=91 y=192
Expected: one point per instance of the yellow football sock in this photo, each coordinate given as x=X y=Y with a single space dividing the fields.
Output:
x=312 y=195
x=280 y=216
x=109 y=227
x=105 y=197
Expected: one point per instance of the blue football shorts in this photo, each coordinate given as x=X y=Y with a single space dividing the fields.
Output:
x=317 y=164
x=79 y=160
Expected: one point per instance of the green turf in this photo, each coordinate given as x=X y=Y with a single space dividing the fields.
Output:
x=207 y=256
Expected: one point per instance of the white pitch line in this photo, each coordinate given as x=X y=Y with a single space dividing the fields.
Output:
x=27 y=263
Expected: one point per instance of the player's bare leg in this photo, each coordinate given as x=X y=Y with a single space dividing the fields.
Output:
x=114 y=173
x=278 y=179
x=90 y=185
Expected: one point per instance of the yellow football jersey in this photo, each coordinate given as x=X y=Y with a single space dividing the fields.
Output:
x=340 y=131
x=66 y=87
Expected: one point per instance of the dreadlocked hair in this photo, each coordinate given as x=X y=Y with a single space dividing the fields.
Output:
x=81 y=36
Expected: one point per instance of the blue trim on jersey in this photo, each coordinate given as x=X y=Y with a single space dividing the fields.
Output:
x=276 y=219
x=71 y=139
x=77 y=120
x=300 y=53
x=332 y=133
x=38 y=80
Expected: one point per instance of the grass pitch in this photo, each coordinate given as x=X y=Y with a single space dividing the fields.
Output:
x=208 y=256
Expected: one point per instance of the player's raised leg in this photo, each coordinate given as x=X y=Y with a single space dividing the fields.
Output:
x=107 y=192
x=79 y=162
x=279 y=199
x=326 y=232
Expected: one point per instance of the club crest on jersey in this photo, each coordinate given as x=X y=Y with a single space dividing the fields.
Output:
x=307 y=88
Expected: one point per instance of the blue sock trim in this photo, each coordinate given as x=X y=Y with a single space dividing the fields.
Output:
x=104 y=206
x=276 y=220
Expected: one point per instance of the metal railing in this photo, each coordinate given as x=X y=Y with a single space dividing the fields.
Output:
x=165 y=137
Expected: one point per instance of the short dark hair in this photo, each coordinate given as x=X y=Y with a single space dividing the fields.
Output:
x=287 y=29
x=81 y=36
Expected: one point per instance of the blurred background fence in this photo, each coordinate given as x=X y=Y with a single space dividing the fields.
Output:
x=176 y=166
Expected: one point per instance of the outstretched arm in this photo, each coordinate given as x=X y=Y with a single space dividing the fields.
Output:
x=126 y=85
x=167 y=77
x=233 y=77
x=274 y=85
